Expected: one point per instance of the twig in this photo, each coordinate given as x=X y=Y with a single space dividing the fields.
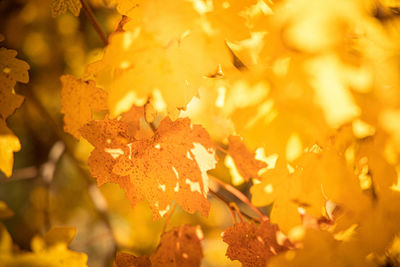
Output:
x=21 y=174
x=47 y=172
x=93 y=20
x=233 y=215
x=227 y=202
x=236 y=208
x=240 y=196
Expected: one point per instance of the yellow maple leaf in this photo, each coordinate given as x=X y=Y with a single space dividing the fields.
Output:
x=153 y=56
x=331 y=252
x=78 y=99
x=9 y=144
x=11 y=71
x=53 y=254
x=59 y=234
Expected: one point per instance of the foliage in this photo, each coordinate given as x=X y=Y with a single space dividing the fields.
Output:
x=193 y=108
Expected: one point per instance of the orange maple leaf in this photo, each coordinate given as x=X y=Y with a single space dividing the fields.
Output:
x=253 y=244
x=178 y=247
x=169 y=166
x=128 y=260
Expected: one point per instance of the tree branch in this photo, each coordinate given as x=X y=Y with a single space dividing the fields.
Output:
x=93 y=20
x=231 y=209
x=240 y=196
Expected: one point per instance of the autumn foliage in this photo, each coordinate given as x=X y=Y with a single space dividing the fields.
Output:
x=200 y=132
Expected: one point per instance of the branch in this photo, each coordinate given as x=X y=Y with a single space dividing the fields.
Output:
x=93 y=20
x=231 y=209
x=240 y=196
x=47 y=172
x=20 y=174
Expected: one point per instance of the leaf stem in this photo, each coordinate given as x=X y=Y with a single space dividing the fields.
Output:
x=236 y=208
x=240 y=196
x=93 y=20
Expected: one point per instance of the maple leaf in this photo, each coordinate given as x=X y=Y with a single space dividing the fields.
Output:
x=320 y=248
x=53 y=254
x=153 y=56
x=169 y=166
x=103 y=157
x=78 y=99
x=59 y=7
x=245 y=162
x=230 y=19
x=9 y=144
x=127 y=7
x=11 y=71
x=279 y=187
x=14 y=68
x=59 y=234
x=253 y=244
x=9 y=101
x=128 y=260
x=109 y=136
x=179 y=247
